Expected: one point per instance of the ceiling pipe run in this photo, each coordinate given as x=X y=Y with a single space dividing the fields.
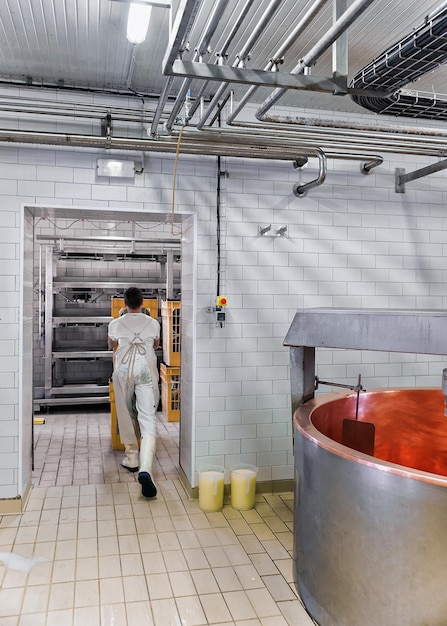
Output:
x=201 y=49
x=238 y=145
x=184 y=21
x=296 y=32
x=338 y=28
x=221 y=55
x=241 y=57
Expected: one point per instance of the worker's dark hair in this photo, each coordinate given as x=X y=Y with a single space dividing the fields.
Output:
x=133 y=297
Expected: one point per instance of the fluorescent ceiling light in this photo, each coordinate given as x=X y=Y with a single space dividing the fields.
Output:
x=138 y=22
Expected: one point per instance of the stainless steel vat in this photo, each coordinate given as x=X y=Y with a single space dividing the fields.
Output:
x=370 y=533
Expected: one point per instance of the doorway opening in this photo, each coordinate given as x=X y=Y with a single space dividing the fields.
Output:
x=82 y=260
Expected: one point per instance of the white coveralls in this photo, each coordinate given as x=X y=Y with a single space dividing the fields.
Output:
x=135 y=383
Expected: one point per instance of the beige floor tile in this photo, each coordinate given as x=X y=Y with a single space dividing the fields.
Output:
x=236 y=555
x=63 y=571
x=159 y=586
x=215 y=608
x=168 y=541
x=205 y=581
x=188 y=539
x=135 y=589
x=87 y=568
x=139 y=614
x=68 y=531
x=14 y=578
x=109 y=566
x=295 y=614
x=126 y=526
x=191 y=611
x=276 y=620
x=87 y=547
x=26 y=534
x=41 y=573
x=195 y=559
x=131 y=565
x=86 y=593
x=87 y=514
x=226 y=579
x=248 y=576
x=111 y=591
x=106 y=528
x=149 y=542
x=105 y=512
x=7 y=537
x=278 y=587
x=49 y=517
x=216 y=557
x=208 y=537
x=114 y=613
x=11 y=601
x=108 y=546
x=30 y=518
x=65 y=549
x=262 y=602
x=153 y=563
x=60 y=618
x=165 y=612
x=240 y=526
x=182 y=584
x=175 y=561
x=226 y=536
x=68 y=516
x=34 y=619
x=61 y=596
x=263 y=532
x=239 y=605
x=35 y=599
x=128 y=544
x=285 y=566
x=86 y=616
x=87 y=529
x=264 y=564
x=160 y=510
x=275 y=549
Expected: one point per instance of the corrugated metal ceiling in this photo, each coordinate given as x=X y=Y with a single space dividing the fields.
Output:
x=82 y=44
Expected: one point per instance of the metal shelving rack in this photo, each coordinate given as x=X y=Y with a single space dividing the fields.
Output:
x=165 y=253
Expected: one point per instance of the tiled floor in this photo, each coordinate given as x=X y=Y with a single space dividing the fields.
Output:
x=110 y=557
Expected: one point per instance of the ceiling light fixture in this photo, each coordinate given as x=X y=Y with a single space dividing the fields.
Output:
x=138 y=22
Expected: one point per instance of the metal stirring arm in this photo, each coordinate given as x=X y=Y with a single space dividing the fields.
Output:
x=358 y=388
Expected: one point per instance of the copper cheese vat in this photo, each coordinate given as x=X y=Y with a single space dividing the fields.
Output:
x=370 y=532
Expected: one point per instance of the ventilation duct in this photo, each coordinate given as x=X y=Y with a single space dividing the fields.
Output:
x=418 y=53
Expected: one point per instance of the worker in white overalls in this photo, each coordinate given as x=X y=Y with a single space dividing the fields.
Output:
x=136 y=336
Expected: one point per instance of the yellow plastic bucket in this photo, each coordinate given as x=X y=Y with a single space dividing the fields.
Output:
x=243 y=486
x=211 y=488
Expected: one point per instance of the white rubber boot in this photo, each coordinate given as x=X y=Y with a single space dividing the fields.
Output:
x=130 y=461
x=147 y=452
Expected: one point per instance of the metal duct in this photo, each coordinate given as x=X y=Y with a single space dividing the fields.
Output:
x=418 y=53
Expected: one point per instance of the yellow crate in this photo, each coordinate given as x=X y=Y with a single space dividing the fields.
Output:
x=114 y=429
x=149 y=303
x=171 y=319
x=170 y=392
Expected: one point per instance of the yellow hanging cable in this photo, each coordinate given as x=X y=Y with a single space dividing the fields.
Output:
x=174 y=181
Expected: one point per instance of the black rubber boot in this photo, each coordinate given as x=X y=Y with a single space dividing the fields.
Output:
x=148 y=489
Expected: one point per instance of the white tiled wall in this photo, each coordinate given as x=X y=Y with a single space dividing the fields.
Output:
x=353 y=242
